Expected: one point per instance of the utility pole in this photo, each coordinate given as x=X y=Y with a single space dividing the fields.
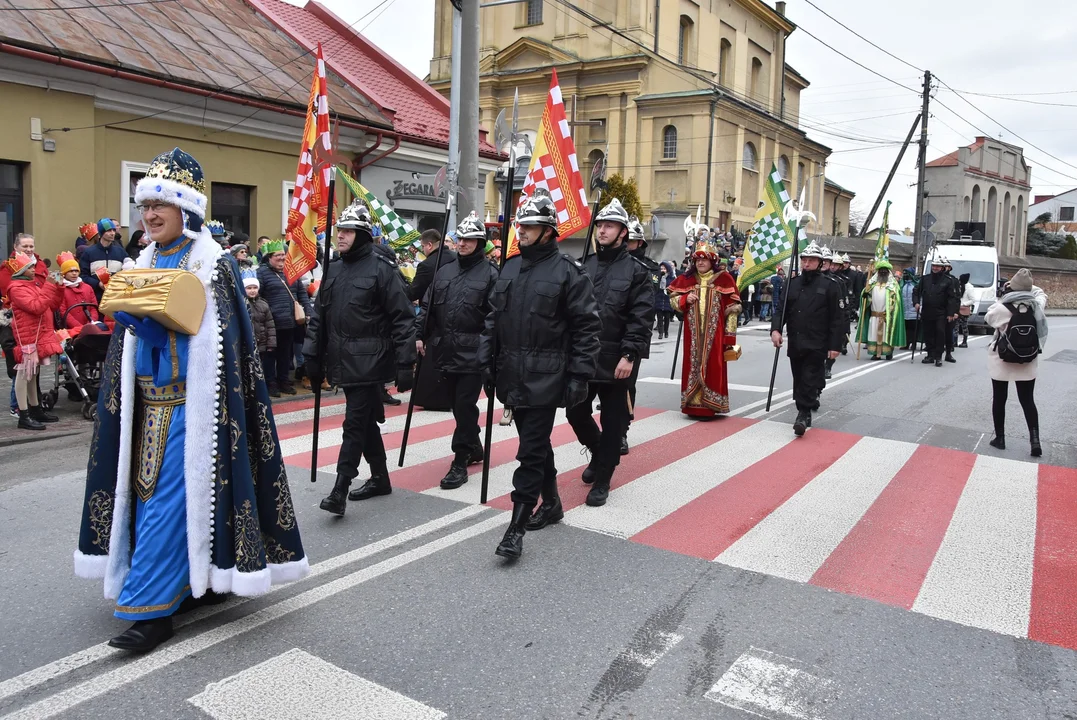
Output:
x=453 y=166
x=918 y=241
x=469 y=108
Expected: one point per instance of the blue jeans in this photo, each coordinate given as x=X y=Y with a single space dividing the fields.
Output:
x=14 y=403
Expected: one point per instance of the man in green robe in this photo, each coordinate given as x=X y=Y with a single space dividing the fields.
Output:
x=882 y=315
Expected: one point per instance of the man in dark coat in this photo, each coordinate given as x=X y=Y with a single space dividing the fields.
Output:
x=360 y=337
x=815 y=315
x=637 y=248
x=540 y=343
x=429 y=393
x=937 y=300
x=457 y=304
x=281 y=298
x=829 y=272
x=624 y=294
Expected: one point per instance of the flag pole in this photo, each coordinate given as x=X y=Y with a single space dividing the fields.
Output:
x=794 y=264
x=323 y=327
x=450 y=195
x=506 y=213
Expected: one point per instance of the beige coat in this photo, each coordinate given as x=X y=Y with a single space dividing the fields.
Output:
x=998 y=316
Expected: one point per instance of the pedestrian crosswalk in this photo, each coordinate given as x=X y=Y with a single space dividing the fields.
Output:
x=979 y=540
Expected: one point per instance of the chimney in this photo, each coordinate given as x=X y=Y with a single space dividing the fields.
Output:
x=780 y=7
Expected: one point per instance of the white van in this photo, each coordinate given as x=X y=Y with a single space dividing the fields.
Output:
x=980 y=261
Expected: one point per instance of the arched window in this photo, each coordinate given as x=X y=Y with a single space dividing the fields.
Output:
x=593 y=158
x=977 y=201
x=801 y=173
x=749 y=157
x=669 y=143
x=755 y=85
x=783 y=168
x=725 y=63
x=684 y=40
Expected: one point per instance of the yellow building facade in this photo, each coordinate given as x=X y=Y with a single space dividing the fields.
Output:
x=696 y=101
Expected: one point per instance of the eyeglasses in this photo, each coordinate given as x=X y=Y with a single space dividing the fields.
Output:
x=154 y=207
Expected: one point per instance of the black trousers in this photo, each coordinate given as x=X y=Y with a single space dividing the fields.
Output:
x=604 y=443
x=278 y=369
x=361 y=434
x=808 y=380
x=1026 y=390
x=464 y=390
x=936 y=338
x=536 y=474
x=664 y=316
x=910 y=332
x=951 y=334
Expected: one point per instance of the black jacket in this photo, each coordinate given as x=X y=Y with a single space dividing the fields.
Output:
x=281 y=297
x=458 y=303
x=424 y=273
x=625 y=297
x=369 y=321
x=654 y=269
x=545 y=326
x=846 y=293
x=815 y=314
x=937 y=295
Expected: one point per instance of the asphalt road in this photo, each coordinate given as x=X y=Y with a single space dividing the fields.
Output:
x=622 y=611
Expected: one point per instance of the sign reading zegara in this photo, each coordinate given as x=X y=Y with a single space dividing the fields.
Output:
x=410 y=190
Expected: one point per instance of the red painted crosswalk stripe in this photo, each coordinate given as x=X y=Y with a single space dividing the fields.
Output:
x=329 y=422
x=734 y=507
x=1053 y=618
x=887 y=554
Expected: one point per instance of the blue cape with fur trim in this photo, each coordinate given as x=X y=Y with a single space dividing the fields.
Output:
x=242 y=534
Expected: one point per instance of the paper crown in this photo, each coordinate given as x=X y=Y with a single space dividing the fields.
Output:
x=67 y=262
x=250 y=277
x=216 y=228
x=176 y=178
x=19 y=262
x=707 y=250
x=272 y=246
x=88 y=231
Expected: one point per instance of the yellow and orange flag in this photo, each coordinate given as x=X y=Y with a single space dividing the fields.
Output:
x=311 y=188
x=555 y=169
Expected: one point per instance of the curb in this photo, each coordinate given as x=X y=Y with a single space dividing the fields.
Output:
x=38 y=437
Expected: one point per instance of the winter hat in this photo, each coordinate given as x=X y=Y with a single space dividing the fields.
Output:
x=67 y=262
x=1021 y=280
x=250 y=277
x=237 y=247
x=176 y=178
x=104 y=225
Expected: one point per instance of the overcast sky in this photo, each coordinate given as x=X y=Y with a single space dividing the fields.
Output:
x=981 y=46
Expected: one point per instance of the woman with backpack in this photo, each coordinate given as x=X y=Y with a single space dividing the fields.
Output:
x=1020 y=332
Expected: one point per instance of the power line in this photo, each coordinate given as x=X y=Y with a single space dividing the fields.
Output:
x=869 y=42
x=856 y=62
x=1017 y=99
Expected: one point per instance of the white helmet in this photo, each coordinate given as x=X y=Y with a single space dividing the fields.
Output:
x=845 y=259
x=812 y=250
x=827 y=255
x=538 y=210
x=614 y=212
x=471 y=227
x=940 y=260
x=635 y=229
x=355 y=217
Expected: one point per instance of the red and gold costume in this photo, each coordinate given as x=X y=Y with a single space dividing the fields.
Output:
x=710 y=329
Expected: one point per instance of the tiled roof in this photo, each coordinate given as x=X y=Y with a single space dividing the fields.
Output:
x=220 y=45
x=417 y=110
x=950 y=159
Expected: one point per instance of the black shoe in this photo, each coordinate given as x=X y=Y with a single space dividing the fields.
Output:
x=548 y=513
x=42 y=415
x=845 y=351
x=476 y=455
x=600 y=491
x=938 y=363
x=378 y=484
x=802 y=423
x=876 y=357
x=192 y=603
x=26 y=422
x=890 y=356
x=456 y=477
x=964 y=343
x=288 y=389
x=927 y=361
x=388 y=399
x=144 y=635
x=1034 y=440
x=589 y=471
x=274 y=390
x=999 y=442
x=512 y=544
x=624 y=444
x=827 y=375
x=950 y=358
x=337 y=502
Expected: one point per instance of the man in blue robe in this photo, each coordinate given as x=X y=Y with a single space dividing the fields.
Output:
x=186 y=493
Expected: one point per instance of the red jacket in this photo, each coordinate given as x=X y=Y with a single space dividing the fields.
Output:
x=33 y=308
x=41 y=276
x=81 y=293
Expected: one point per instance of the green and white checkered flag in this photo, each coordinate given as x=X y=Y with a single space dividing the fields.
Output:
x=398 y=234
x=770 y=241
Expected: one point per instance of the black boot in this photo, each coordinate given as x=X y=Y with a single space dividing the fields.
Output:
x=274 y=390
x=998 y=442
x=950 y=357
x=144 y=635
x=512 y=545
x=589 y=471
x=1034 y=439
x=548 y=513
x=927 y=361
x=378 y=484
x=42 y=415
x=624 y=443
x=456 y=477
x=802 y=423
x=475 y=455
x=336 y=503
x=26 y=422
x=964 y=341
x=388 y=399
x=938 y=363
x=600 y=491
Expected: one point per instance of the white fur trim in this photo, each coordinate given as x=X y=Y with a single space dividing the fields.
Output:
x=289 y=572
x=171 y=192
x=240 y=583
x=90 y=566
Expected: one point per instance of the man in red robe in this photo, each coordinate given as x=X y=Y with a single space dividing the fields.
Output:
x=706 y=297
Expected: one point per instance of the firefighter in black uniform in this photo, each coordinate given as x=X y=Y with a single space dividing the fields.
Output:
x=637 y=248
x=815 y=315
x=540 y=344
x=625 y=297
x=367 y=321
x=830 y=273
x=458 y=302
x=850 y=278
x=937 y=300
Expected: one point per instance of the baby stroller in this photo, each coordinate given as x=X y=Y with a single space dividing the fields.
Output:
x=81 y=365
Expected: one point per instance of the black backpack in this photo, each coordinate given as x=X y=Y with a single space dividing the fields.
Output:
x=1020 y=343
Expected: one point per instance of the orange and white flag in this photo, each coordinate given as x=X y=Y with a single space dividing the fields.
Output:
x=311 y=188
x=555 y=169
